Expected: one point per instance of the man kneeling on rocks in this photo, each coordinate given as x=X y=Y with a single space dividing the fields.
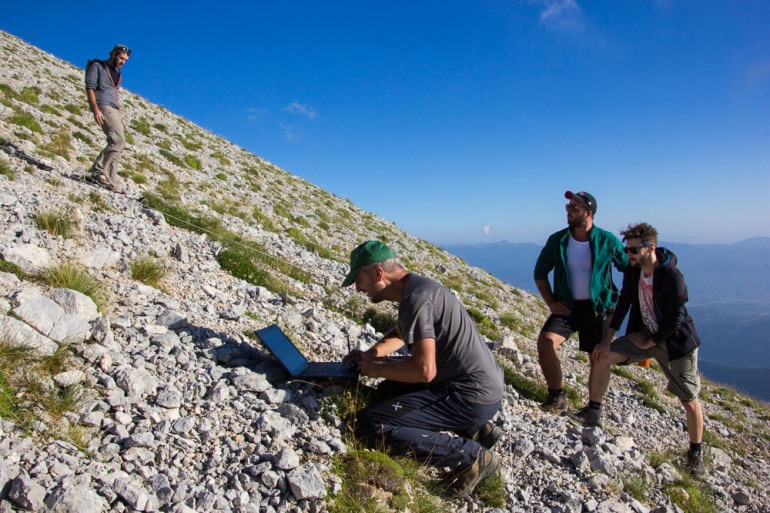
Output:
x=449 y=382
x=659 y=327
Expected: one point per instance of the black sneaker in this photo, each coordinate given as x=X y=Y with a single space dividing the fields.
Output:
x=555 y=404
x=488 y=435
x=587 y=417
x=462 y=482
x=695 y=465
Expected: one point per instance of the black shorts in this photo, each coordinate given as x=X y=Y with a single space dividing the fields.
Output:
x=590 y=327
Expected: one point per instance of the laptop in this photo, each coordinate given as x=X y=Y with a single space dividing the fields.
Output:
x=295 y=363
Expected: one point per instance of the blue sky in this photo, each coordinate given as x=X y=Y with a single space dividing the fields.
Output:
x=465 y=121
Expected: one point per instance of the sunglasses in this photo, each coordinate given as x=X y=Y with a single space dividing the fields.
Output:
x=122 y=49
x=636 y=249
x=572 y=208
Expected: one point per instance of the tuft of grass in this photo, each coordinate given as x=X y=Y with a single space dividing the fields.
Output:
x=27 y=121
x=31 y=399
x=80 y=136
x=148 y=270
x=306 y=242
x=372 y=482
x=637 y=486
x=97 y=202
x=240 y=264
x=68 y=275
x=142 y=126
x=650 y=397
x=30 y=95
x=138 y=178
x=245 y=256
x=168 y=188
x=690 y=495
x=56 y=222
x=533 y=390
x=73 y=108
x=483 y=324
x=193 y=162
x=381 y=321
x=171 y=157
x=8 y=267
x=7 y=170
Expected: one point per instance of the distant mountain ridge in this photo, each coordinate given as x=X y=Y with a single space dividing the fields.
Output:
x=729 y=288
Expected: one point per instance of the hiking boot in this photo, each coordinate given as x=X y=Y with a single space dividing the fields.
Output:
x=695 y=465
x=555 y=404
x=488 y=435
x=462 y=482
x=586 y=417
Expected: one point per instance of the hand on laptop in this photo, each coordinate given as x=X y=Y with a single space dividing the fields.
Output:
x=353 y=358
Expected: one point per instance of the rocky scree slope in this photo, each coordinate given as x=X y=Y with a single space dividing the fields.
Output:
x=189 y=413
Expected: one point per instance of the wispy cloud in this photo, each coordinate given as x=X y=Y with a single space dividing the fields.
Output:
x=487 y=229
x=290 y=131
x=255 y=114
x=561 y=15
x=299 y=109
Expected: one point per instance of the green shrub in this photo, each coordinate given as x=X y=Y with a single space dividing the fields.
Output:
x=148 y=270
x=221 y=176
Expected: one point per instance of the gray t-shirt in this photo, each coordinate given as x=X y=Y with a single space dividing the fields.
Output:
x=463 y=361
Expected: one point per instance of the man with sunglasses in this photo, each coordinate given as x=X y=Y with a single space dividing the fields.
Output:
x=102 y=83
x=581 y=257
x=658 y=327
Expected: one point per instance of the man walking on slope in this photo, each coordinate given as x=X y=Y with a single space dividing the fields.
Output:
x=449 y=382
x=658 y=327
x=581 y=257
x=102 y=83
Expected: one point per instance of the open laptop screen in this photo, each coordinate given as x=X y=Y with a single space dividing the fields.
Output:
x=283 y=349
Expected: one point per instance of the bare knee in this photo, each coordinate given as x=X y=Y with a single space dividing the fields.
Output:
x=548 y=343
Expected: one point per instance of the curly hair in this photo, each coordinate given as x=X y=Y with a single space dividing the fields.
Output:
x=643 y=231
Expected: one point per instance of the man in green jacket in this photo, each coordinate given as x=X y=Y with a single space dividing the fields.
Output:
x=583 y=296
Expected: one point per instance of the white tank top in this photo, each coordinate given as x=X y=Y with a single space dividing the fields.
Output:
x=579 y=269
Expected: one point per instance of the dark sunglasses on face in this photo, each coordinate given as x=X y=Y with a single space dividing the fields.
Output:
x=569 y=207
x=636 y=249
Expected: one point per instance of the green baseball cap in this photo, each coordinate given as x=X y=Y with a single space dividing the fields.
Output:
x=370 y=252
